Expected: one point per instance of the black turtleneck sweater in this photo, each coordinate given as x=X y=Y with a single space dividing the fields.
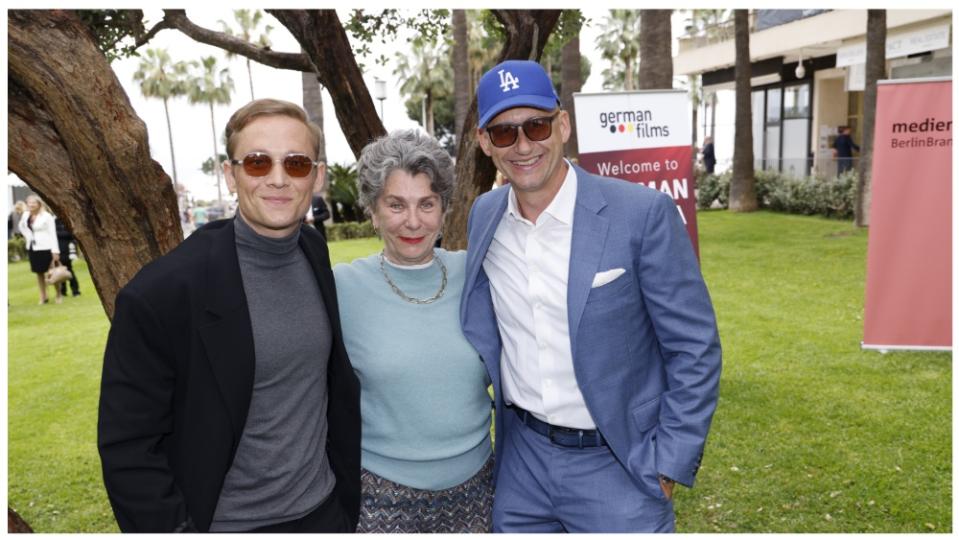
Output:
x=281 y=471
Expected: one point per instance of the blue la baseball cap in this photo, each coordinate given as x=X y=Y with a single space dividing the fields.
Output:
x=514 y=83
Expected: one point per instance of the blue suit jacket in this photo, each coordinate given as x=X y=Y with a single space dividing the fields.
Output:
x=645 y=346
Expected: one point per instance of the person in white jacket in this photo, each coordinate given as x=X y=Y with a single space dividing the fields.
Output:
x=40 y=233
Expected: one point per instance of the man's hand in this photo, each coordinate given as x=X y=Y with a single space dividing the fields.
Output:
x=56 y=257
x=667 y=484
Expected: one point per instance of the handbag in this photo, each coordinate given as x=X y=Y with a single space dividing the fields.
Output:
x=57 y=273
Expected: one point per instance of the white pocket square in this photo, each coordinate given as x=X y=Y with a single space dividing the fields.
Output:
x=602 y=278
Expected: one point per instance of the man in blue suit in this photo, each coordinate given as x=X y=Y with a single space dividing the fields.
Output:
x=585 y=301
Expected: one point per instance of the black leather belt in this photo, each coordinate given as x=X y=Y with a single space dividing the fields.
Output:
x=562 y=436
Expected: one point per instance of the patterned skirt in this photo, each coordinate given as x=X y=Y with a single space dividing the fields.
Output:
x=388 y=507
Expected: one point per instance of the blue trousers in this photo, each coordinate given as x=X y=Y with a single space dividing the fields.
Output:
x=546 y=488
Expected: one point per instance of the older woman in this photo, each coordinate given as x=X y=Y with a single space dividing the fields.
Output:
x=426 y=454
x=40 y=233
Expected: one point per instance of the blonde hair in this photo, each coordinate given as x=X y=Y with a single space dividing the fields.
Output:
x=268 y=107
x=43 y=207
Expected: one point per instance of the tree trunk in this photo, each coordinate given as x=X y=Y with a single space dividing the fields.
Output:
x=628 y=75
x=695 y=128
x=321 y=35
x=571 y=74
x=655 y=49
x=713 y=98
x=461 y=75
x=742 y=186
x=216 y=161
x=875 y=70
x=430 y=126
x=15 y=523
x=169 y=131
x=85 y=151
x=313 y=104
x=249 y=72
x=526 y=34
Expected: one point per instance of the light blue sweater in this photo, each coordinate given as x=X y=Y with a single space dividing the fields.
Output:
x=425 y=408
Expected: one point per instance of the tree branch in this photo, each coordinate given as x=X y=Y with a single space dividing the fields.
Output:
x=145 y=38
x=176 y=18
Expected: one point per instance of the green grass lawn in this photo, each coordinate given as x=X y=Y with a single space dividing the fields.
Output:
x=811 y=434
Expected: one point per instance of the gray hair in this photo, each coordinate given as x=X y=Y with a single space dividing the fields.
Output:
x=406 y=150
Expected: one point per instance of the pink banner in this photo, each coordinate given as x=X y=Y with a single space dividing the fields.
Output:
x=667 y=169
x=909 y=266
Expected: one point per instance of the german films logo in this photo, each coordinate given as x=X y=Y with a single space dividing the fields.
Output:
x=639 y=123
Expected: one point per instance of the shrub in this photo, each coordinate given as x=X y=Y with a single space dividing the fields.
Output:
x=829 y=197
x=349 y=230
x=16 y=249
x=711 y=188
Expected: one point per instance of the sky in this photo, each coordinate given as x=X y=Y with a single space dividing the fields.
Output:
x=192 y=132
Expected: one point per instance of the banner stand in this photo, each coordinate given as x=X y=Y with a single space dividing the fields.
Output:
x=644 y=137
x=908 y=300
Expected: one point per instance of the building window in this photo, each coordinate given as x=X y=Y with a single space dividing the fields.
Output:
x=781 y=138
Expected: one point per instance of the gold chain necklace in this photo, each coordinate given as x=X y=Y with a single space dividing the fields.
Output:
x=408 y=298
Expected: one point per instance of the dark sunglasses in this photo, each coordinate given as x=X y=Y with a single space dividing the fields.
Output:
x=260 y=164
x=536 y=129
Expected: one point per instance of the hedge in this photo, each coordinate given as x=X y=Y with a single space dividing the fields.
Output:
x=829 y=197
x=348 y=230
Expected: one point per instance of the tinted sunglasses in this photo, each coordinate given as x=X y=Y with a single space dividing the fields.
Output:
x=260 y=164
x=536 y=129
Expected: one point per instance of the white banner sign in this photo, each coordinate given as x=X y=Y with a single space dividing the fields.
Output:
x=632 y=120
x=897 y=46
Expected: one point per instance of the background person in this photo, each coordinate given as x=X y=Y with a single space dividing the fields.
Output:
x=13 y=220
x=228 y=402
x=842 y=149
x=427 y=464
x=709 y=155
x=585 y=300
x=40 y=234
x=64 y=237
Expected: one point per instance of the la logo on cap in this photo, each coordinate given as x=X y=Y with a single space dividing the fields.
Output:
x=507 y=81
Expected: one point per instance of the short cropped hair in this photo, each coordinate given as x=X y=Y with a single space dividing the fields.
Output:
x=268 y=107
x=405 y=150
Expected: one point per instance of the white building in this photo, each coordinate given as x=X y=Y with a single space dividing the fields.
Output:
x=797 y=110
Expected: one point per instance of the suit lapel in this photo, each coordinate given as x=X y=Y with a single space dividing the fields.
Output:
x=320 y=263
x=476 y=254
x=227 y=334
x=586 y=250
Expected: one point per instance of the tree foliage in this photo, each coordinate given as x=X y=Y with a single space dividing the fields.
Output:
x=248 y=22
x=365 y=26
x=344 y=193
x=618 y=42
x=117 y=32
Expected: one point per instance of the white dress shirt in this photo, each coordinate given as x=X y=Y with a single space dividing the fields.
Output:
x=528 y=268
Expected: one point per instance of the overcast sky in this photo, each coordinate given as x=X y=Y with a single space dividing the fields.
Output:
x=192 y=133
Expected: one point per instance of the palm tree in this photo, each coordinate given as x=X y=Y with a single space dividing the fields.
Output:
x=313 y=105
x=572 y=82
x=425 y=73
x=694 y=87
x=655 y=49
x=483 y=48
x=710 y=22
x=212 y=86
x=160 y=78
x=249 y=23
x=462 y=91
x=619 y=43
x=742 y=186
x=875 y=70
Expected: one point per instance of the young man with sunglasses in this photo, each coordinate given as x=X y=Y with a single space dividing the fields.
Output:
x=585 y=301
x=228 y=402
